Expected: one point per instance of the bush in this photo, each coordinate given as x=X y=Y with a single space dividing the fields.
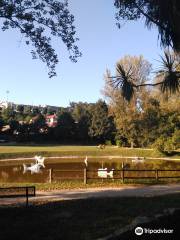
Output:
x=108 y=143
x=119 y=143
x=176 y=139
x=165 y=145
x=169 y=146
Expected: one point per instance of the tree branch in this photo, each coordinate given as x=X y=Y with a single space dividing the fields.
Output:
x=139 y=85
x=149 y=17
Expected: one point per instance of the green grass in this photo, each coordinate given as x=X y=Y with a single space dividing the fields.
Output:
x=77 y=184
x=65 y=185
x=79 y=219
x=30 y=151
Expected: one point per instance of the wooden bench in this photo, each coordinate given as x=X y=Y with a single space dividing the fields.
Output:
x=14 y=192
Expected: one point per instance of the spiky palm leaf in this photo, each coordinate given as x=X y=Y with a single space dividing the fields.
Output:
x=124 y=82
x=170 y=73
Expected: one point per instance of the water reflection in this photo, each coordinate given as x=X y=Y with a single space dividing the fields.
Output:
x=36 y=168
x=13 y=171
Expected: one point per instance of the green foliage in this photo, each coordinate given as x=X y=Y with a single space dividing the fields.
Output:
x=147 y=118
x=168 y=145
x=140 y=123
x=39 y=21
x=20 y=108
x=108 y=143
x=132 y=73
x=123 y=80
x=165 y=15
x=8 y=114
x=169 y=73
x=102 y=125
x=82 y=114
x=176 y=138
x=14 y=125
x=65 y=128
x=159 y=144
x=1 y=123
x=119 y=143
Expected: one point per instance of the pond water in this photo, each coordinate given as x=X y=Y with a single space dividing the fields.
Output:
x=13 y=171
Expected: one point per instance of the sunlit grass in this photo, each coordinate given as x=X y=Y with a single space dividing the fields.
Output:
x=30 y=151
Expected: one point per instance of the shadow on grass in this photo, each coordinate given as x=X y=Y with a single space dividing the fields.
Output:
x=166 y=227
x=84 y=219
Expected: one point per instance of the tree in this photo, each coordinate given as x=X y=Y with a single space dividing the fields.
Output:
x=127 y=113
x=128 y=81
x=102 y=125
x=65 y=127
x=39 y=21
x=1 y=123
x=35 y=111
x=20 y=109
x=165 y=15
x=14 y=125
x=81 y=113
x=37 y=127
x=149 y=121
x=8 y=114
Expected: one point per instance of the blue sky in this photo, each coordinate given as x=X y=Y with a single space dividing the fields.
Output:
x=101 y=43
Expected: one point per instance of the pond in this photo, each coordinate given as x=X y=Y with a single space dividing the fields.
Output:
x=72 y=168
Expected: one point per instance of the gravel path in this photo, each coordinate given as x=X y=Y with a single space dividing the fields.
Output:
x=129 y=191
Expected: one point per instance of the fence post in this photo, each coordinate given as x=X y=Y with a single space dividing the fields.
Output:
x=34 y=188
x=85 y=175
x=26 y=196
x=122 y=172
x=157 y=175
x=50 y=175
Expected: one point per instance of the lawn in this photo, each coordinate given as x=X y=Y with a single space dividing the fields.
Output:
x=79 y=219
x=30 y=151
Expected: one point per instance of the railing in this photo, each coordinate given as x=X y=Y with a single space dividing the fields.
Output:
x=14 y=192
x=118 y=174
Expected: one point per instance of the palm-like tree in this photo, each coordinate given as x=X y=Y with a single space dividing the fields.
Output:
x=169 y=74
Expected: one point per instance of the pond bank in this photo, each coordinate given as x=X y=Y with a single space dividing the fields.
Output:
x=103 y=192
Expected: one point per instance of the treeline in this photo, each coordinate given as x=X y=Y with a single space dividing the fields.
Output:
x=80 y=122
x=145 y=116
x=152 y=121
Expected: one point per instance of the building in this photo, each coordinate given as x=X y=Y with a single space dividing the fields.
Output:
x=51 y=120
x=4 y=105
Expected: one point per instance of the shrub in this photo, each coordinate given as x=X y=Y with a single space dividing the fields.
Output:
x=176 y=138
x=119 y=143
x=166 y=145
x=108 y=143
x=159 y=144
x=169 y=146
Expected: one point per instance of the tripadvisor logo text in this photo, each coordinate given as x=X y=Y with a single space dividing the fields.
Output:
x=140 y=231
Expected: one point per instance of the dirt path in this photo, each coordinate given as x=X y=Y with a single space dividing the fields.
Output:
x=129 y=191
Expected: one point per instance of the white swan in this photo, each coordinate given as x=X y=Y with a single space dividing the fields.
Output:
x=40 y=160
x=34 y=168
x=103 y=173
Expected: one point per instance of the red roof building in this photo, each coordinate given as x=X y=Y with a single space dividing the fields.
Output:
x=51 y=120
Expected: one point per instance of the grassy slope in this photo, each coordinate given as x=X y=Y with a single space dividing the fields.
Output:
x=79 y=219
x=30 y=151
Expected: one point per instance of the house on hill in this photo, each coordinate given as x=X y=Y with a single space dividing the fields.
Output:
x=51 y=120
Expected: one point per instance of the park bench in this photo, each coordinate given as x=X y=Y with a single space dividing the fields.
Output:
x=15 y=192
